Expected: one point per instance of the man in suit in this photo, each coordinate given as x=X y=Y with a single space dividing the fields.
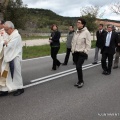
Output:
x=108 y=49
x=100 y=35
x=117 y=54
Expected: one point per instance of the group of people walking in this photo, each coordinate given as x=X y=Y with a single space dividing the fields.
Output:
x=109 y=44
x=78 y=42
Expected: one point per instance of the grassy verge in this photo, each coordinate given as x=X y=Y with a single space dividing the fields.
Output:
x=44 y=50
x=34 y=37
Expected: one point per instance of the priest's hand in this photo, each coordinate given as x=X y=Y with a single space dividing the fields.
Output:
x=5 y=43
x=118 y=44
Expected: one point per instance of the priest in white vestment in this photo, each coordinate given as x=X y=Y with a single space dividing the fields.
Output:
x=11 y=63
x=3 y=36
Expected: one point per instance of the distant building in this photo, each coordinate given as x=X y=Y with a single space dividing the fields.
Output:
x=106 y=22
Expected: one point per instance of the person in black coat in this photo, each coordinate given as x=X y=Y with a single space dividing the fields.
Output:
x=55 y=45
x=100 y=35
x=108 y=49
x=117 y=54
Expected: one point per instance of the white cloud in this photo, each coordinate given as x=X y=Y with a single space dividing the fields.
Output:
x=71 y=7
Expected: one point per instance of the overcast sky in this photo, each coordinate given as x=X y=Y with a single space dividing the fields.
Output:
x=72 y=8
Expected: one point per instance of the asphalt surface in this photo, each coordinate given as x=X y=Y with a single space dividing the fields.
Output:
x=52 y=96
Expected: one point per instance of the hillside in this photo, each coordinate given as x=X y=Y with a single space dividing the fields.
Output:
x=40 y=20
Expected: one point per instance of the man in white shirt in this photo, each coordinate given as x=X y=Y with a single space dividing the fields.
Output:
x=108 y=49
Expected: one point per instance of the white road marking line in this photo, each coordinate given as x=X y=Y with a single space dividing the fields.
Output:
x=38 y=79
x=49 y=79
x=63 y=72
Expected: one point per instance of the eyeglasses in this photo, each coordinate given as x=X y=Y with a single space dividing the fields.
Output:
x=79 y=22
x=109 y=27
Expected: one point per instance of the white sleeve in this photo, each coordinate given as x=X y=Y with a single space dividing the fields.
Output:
x=12 y=49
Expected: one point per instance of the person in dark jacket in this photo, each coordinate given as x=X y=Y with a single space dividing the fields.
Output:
x=55 y=45
x=108 y=49
x=117 y=54
x=100 y=35
x=68 y=44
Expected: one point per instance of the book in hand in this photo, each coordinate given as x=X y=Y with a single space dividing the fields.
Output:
x=4 y=74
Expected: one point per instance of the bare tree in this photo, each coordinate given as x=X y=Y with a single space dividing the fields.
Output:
x=115 y=8
x=91 y=13
x=93 y=10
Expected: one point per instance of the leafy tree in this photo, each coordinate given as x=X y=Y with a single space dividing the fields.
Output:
x=3 y=5
x=91 y=22
x=16 y=12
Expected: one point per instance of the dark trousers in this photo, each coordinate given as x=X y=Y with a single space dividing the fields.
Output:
x=79 y=59
x=68 y=50
x=96 y=54
x=105 y=66
x=117 y=55
x=54 y=52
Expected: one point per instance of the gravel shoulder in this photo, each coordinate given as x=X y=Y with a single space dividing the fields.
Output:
x=37 y=42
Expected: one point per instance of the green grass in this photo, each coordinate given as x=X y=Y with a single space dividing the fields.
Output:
x=34 y=37
x=44 y=50
x=93 y=44
x=38 y=51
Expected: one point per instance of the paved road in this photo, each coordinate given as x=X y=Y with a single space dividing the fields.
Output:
x=55 y=97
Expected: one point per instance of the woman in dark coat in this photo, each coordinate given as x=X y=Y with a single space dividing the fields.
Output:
x=55 y=45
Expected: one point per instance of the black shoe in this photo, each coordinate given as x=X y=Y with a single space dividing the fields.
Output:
x=94 y=63
x=104 y=72
x=80 y=85
x=76 y=84
x=18 y=92
x=64 y=64
x=115 y=67
x=53 y=69
x=3 y=93
x=108 y=73
x=59 y=65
